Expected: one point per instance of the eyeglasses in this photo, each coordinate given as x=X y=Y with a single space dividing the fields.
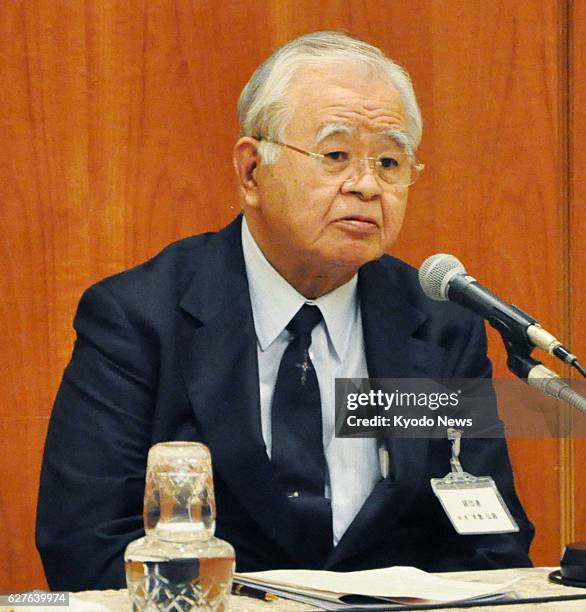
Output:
x=398 y=168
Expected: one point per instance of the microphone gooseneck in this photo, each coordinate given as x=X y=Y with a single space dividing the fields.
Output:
x=549 y=383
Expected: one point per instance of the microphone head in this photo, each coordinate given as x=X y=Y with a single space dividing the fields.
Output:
x=435 y=275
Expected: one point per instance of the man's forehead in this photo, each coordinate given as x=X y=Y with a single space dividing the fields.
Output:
x=343 y=100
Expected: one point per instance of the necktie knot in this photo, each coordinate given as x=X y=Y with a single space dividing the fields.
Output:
x=305 y=320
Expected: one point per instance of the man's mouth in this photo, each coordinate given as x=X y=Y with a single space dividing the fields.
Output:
x=359 y=223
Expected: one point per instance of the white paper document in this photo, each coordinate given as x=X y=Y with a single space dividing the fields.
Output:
x=402 y=585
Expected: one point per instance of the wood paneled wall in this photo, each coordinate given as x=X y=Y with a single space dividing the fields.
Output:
x=117 y=127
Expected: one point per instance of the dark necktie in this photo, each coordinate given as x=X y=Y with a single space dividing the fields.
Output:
x=297 y=450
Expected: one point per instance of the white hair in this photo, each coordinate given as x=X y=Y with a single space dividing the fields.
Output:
x=262 y=107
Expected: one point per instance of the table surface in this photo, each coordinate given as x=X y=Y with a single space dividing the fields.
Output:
x=533 y=583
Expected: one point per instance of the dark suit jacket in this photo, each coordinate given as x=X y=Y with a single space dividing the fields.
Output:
x=167 y=351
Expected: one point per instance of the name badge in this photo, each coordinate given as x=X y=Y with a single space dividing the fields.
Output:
x=473 y=504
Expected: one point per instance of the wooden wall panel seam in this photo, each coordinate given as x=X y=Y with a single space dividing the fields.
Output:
x=567 y=446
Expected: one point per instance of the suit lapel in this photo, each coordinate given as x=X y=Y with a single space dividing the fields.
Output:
x=389 y=322
x=220 y=367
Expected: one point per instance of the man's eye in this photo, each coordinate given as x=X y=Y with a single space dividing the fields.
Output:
x=388 y=162
x=336 y=156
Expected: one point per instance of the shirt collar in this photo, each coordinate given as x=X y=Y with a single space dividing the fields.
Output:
x=275 y=301
x=340 y=310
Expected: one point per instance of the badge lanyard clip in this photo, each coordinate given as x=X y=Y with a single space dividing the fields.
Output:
x=455 y=436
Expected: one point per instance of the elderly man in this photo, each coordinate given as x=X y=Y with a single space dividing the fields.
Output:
x=235 y=339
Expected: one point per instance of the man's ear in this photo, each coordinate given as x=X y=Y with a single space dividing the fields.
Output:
x=246 y=161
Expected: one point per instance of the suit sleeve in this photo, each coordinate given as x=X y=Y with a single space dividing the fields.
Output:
x=92 y=479
x=481 y=457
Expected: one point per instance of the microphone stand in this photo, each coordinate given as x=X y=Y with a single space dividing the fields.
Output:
x=572 y=570
x=533 y=372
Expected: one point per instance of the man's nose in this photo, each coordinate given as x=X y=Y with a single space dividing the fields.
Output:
x=364 y=180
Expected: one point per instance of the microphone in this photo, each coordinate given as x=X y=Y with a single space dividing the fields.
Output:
x=549 y=383
x=443 y=277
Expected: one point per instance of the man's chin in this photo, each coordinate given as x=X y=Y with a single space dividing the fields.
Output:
x=355 y=257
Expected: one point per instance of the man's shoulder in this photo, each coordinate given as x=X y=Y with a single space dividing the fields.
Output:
x=171 y=262
x=399 y=271
x=404 y=278
x=166 y=276
x=179 y=260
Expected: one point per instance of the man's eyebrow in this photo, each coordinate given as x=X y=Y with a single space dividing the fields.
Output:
x=400 y=138
x=329 y=129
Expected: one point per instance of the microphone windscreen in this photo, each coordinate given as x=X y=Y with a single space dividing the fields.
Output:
x=436 y=272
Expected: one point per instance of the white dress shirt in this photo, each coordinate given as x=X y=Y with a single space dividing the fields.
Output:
x=337 y=351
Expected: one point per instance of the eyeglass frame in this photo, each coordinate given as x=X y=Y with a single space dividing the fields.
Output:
x=371 y=162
